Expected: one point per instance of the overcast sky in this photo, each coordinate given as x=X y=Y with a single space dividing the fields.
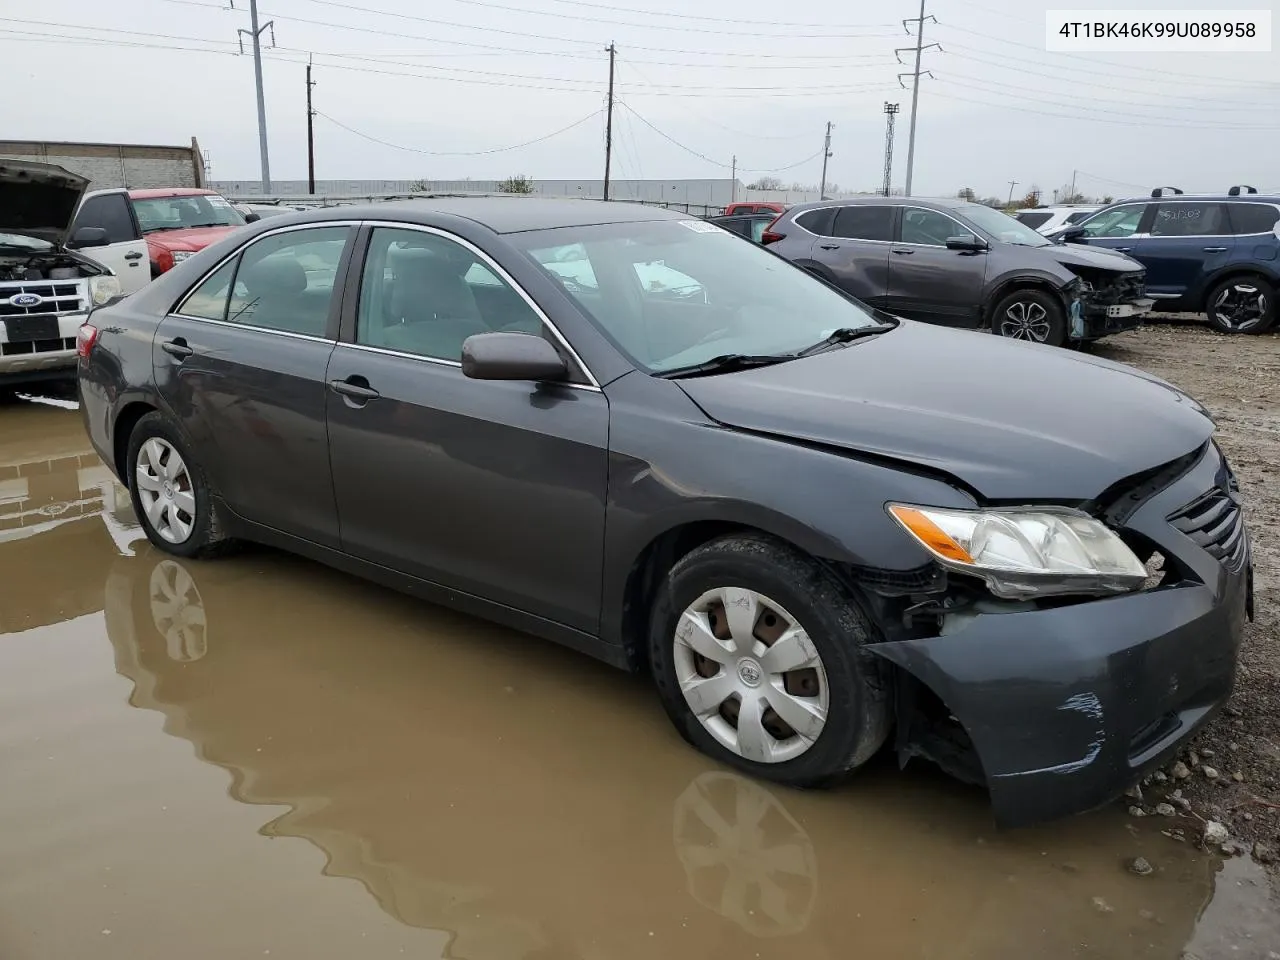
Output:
x=755 y=79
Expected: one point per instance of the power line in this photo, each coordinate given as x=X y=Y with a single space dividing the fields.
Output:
x=702 y=156
x=459 y=153
x=1182 y=125
x=691 y=16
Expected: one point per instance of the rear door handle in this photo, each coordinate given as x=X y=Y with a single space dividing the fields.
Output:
x=904 y=253
x=133 y=256
x=357 y=388
x=1124 y=249
x=177 y=349
x=1215 y=249
x=829 y=246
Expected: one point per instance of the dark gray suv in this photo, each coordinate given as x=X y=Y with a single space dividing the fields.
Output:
x=963 y=265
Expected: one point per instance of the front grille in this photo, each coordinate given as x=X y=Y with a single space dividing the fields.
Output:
x=1215 y=522
x=59 y=297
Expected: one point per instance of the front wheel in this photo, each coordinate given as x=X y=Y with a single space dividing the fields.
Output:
x=1032 y=315
x=171 y=496
x=757 y=655
x=1241 y=305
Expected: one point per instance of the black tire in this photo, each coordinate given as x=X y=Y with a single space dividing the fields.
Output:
x=207 y=536
x=858 y=715
x=1044 y=319
x=1248 y=305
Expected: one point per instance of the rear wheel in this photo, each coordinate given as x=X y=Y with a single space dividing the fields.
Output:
x=757 y=655
x=171 y=496
x=1241 y=305
x=1032 y=315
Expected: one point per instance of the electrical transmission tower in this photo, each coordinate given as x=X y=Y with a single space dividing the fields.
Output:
x=255 y=34
x=890 y=115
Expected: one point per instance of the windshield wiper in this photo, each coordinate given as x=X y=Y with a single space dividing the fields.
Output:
x=727 y=363
x=841 y=336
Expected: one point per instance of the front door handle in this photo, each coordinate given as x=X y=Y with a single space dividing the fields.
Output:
x=355 y=388
x=1124 y=249
x=829 y=246
x=1215 y=249
x=135 y=255
x=904 y=253
x=177 y=348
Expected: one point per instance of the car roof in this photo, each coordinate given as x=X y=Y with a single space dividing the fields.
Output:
x=505 y=214
x=944 y=203
x=155 y=193
x=1222 y=197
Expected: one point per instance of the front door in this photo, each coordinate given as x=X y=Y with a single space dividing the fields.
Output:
x=126 y=250
x=856 y=250
x=929 y=282
x=241 y=363
x=493 y=488
x=1188 y=240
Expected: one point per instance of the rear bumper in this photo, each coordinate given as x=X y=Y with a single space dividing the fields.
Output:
x=1068 y=707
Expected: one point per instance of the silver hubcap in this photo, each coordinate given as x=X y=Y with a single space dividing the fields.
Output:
x=751 y=675
x=178 y=612
x=165 y=489
x=1025 y=320
x=1240 y=306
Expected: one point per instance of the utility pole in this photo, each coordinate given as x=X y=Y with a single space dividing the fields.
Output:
x=826 y=155
x=608 y=123
x=890 y=114
x=255 y=32
x=920 y=48
x=733 y=184
x=1072 y=198
x=311 y=137
x=1012 y=184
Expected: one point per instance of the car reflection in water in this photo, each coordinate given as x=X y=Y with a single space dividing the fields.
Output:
x=482 y=783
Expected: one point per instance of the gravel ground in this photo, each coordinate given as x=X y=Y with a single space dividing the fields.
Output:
x=1231 y=773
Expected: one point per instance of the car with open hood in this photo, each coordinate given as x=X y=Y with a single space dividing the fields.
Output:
x=962 y=264
x=820 y=529
x=46 y=290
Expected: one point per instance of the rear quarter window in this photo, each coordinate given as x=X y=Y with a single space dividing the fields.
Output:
x=1247 y=218
x=817 y=221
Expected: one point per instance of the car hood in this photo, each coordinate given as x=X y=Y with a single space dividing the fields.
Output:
x=38 y=199
x=192 y=238
x=1099 y=258
x=1014 y=421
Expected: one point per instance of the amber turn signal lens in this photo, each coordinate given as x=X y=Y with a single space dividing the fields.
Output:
x=930 y=534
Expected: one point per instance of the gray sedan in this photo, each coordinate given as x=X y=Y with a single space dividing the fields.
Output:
x=642 y=436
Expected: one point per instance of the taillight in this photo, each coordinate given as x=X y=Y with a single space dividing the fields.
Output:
x=770 y=235
x=86 y=337
x=163 y=261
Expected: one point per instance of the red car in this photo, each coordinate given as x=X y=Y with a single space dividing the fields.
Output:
x=755 y=206
x=179 y=221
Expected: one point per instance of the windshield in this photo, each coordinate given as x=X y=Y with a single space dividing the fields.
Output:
x=674 y=293
x=23 y=242
x=1002 y=226
x=186 y=212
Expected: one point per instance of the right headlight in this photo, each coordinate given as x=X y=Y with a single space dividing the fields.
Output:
x=1026 y=552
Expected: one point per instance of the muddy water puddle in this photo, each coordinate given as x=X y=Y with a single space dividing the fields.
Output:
x=260 y=757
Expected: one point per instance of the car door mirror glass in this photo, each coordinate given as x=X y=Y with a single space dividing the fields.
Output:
x=511 y=356
x=88 y=237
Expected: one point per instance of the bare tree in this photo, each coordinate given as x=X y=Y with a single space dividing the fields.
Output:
x=520 y=184
x=966 y=193
x=766 y=183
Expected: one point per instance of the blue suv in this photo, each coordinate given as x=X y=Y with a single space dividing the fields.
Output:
x=1219 y=255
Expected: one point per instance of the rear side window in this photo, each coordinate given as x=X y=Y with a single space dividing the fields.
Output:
x=817 y=221
x=110 y=212
x=285 y=282
x=864 y=223
x=1253 y=217
x=1035 y=220
x=208 y=301
x=1190 y=220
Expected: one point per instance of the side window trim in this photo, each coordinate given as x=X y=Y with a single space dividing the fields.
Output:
x=356 y=277
x=332 y=324
x=901 y=219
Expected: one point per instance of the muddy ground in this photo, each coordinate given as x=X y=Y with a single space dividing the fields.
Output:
x=1238 y=379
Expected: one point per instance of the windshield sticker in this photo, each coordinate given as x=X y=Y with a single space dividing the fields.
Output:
x=701 y=226
x=217 y=201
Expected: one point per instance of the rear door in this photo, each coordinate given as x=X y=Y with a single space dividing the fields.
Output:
x=1187 y=241
x=241 y=363
x=126 y=250
x=929 y=282
x=856 y=250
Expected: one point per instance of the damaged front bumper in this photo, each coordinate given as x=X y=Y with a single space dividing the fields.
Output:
x=1099 y=311
x=1069 y=706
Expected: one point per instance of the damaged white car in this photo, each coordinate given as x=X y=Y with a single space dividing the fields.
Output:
x=46 y=290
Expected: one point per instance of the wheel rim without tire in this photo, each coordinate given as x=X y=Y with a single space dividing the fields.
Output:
x=1025 y=320
x=165 y=490
x=751 y=675
x=1240 y=306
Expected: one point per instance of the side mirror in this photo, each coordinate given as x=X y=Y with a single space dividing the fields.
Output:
x=252 y=217
x=511 y=356
x=966 y=242
x=88 y=237
x=1069 y=234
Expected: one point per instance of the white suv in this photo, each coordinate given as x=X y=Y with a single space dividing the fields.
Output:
x=1047 y=219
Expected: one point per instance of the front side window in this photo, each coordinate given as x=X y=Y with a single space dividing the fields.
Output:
x=1118 y=222
x=186 y=212
x=111 y=213
x=424 y=294
x=286 y=282
x=928 y=227
x=1190 y=220
x=864 y=223
x=672 y=293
